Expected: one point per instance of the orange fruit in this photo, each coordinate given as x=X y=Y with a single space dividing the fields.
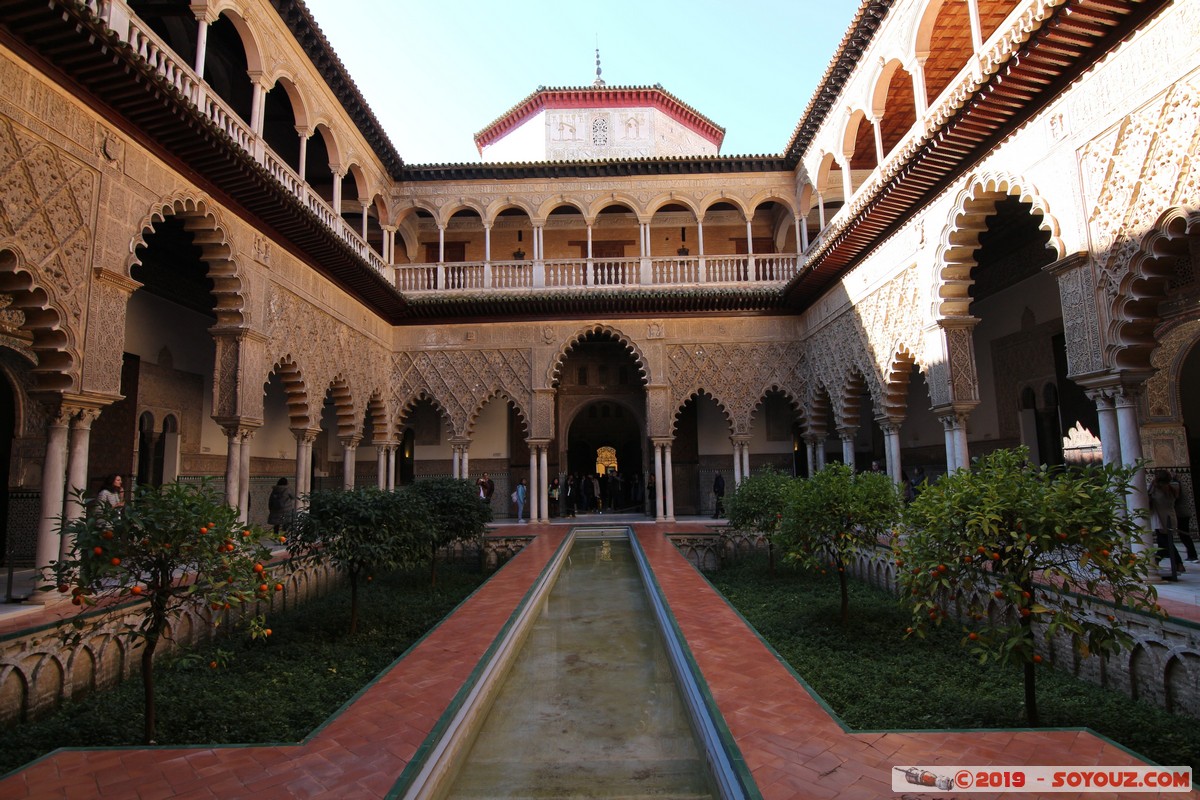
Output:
x=266 y=632
x=98 y=550
x=135 y=590
x=279 y=587
x=203 y=531
x=116 y=562
x=258 y=567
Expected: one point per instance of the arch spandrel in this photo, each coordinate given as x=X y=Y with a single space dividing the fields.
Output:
x=463 y=380
x=740 y=370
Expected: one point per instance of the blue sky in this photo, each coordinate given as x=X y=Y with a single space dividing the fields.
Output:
x=436 y=71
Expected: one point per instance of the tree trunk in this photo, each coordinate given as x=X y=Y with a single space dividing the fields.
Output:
x=1031 y=710
x=148 y=688
x=845 y=587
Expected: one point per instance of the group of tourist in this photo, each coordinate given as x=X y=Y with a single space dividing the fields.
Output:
x=579 y=494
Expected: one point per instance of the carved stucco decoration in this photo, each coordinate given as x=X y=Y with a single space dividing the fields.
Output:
x=1081 y=329
x=1131 y=175
x=640 y=355
x=328 y=351
x=46 y=200
x=461 y=382
x=737 y=376
x=839 y=351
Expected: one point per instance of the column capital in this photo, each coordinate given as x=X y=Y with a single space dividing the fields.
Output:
x=306 y=435
x=847 y=432
x=350 y=441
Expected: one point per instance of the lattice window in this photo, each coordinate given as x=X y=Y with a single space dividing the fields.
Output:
x=600 y=132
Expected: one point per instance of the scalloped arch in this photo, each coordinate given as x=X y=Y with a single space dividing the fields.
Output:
x=497 y=393
x=696 y=394
x=796 y=402
x=421 y=396
x=598 y=328
x=1134 y=309
x=296 y=391
x=209 y=234
x=896 y=381
x=57 y=368
x=960 y=239
x=347 y=416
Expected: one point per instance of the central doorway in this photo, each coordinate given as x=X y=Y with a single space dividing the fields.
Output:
x=601 y=409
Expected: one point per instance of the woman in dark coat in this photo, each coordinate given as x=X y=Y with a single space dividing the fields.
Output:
x=281 y=506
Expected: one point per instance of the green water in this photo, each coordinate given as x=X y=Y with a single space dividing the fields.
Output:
x=590 y=707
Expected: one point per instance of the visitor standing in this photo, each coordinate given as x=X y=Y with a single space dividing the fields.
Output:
x=570 y=495
x=281 y=506
x=487 y=487
x=597 y=497
x=585 y=494
x=112 y=492
x=519 y=496
x=1162 y=508
x=552 y=492
x=719 y=496
x=1183 y=516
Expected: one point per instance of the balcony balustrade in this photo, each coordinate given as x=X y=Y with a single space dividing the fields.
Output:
x=463 y=276
x=658 y=272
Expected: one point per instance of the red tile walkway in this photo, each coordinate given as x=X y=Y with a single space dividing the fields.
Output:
x=793 y=748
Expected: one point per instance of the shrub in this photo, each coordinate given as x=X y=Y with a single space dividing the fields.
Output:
x=831 y=516
x=453 y=511
x=1037 y=539
x=174 y=547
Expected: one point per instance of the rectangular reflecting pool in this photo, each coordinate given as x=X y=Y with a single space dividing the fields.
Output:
x=590 y=706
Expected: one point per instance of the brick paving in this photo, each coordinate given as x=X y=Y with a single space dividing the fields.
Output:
x=792 y=746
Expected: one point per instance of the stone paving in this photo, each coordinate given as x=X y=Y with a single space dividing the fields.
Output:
x=792 y=746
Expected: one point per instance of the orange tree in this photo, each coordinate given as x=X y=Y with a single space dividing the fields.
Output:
x=756 y=506
x=360 y=531
x=832 y=516
x=453 y=512
x=1041 y=541
x=171 y=548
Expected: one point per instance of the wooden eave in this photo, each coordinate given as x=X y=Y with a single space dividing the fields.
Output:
x=452 y=307
x=599 y=168
x=71 y=44
x=1075 y=37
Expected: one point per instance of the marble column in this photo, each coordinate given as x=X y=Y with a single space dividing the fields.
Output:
x=669 y=469
x=543 y=485
x=244 y=476
x=1138 y=501
x=532 y=494
x=54 y=484
x=658 y=482
x=1110 y=438
x=233 y=465
x=847 y=435
x=77 y=470
x=349 y=458
x=381 y=451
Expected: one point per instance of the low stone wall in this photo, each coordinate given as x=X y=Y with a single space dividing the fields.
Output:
x=1162 y=668
x=40 y=670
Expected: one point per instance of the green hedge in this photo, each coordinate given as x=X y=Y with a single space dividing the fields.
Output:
x=874 y=678
x=273 y=690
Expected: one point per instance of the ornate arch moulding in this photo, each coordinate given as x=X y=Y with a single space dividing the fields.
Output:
x=639 y=357
x=960 y=239
x=1131 y=330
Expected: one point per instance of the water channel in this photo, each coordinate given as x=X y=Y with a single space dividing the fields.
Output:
x=590 y=706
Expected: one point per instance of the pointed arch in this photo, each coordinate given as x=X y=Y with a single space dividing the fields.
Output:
x=600 y=329
x=960 y=240
x=209 y=235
